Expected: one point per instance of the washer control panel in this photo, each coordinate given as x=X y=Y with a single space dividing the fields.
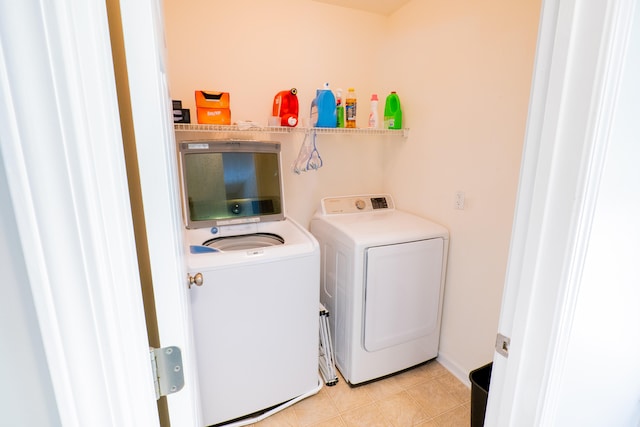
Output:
x=356 y=204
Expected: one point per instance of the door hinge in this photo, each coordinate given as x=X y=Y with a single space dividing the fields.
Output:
x=502 y=345
x=166 y=364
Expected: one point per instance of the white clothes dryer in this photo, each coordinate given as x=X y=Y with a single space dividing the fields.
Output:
x=382 y=280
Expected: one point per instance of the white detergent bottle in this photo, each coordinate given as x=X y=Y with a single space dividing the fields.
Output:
x=373 y=115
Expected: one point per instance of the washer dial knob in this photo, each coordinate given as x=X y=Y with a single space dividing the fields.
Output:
x=360 y=204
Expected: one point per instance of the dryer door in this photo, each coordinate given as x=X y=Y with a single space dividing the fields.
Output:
x=402 y=292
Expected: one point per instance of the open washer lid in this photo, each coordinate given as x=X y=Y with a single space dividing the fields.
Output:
x=230 y=182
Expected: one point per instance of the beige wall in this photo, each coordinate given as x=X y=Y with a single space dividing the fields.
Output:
x=463 y=72
x=467 y=91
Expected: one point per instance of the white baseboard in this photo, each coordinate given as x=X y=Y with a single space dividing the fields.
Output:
x=458 y=371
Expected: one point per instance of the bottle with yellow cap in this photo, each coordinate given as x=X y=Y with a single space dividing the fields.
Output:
x=350 y=107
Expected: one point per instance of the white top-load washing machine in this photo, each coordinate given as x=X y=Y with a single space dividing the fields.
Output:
x=255 y=313
x=382 y=280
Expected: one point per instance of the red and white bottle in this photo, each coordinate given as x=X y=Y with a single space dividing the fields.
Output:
x=373 y=115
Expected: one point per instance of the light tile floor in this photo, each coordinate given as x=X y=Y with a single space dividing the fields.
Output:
x=425 y=396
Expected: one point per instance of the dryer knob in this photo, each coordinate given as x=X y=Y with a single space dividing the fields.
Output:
x=360 y=204
x=198 y=280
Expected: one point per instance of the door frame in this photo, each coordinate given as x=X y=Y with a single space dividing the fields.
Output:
x=152 y=111
x=579 y=62
x=72 y=253
x=60 y=142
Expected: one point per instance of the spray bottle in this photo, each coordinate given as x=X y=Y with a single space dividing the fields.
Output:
x=339 y=109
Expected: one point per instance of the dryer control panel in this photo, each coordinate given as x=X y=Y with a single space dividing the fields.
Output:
x=356 y=204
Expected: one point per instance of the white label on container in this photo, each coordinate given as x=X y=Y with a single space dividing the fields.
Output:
x=198 y=146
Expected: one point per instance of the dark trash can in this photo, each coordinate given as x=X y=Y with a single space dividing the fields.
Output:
x=480 y=379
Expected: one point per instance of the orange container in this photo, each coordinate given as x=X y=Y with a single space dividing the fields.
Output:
x=214 y=116
x=210 y=99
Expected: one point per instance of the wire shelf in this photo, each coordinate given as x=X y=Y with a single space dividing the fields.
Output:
x=284 y=129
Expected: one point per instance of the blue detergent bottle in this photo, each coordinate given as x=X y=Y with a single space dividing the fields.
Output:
x=323 y=108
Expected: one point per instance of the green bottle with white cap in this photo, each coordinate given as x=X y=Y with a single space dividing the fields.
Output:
x=392 y=112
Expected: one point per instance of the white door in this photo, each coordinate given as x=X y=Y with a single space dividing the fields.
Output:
x=571 y=293
x=61 y=148
x=62 y=154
